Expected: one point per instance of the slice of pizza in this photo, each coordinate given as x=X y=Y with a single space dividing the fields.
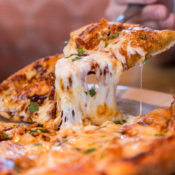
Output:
x=95 y=57
x=139 y=145
x=29 y=94
x=86 y=78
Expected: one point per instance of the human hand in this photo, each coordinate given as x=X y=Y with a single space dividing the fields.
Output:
x=157 y=14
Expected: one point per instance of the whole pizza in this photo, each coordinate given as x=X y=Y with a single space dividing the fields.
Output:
x=67 y=104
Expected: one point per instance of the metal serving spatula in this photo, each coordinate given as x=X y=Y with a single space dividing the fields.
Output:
x=131 y=11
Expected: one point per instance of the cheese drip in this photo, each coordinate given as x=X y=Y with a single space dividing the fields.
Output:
x=84 y=100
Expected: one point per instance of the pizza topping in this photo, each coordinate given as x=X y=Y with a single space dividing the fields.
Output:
x=34 y=131
x=144 y=62
x=33 y=107
x=69 y=55
x=159 y=134
x=92 y=92
x=5 y=135
x=120 y=122
x=114 y=36
x=40 y=125
x=143 y=37
x=37 y=144
x=89 y=151
x=76 y=58
x=94 y=75
x=80 y=52
x=106 y=45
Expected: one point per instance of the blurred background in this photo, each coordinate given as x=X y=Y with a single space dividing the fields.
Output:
x=31 y=29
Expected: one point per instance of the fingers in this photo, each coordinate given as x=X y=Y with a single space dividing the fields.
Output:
x=168 y=23
x=135 y=1
x=154 y=12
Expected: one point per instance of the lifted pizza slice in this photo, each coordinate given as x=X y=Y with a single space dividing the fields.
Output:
x=86 y=77
x=95 y=57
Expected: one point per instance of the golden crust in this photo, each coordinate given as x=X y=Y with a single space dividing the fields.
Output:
x=104 y=36
x=136 y=147
x=33 y=84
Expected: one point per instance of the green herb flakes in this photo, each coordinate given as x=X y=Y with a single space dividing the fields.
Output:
x=76 y=58
x=40 y=125
x=102 y=39
x=144 y=62
x=143 y=37
x=89 y=151
x=119 y=122
x=86 y=92
x=114 y=36
x=106 y=45
x=37 y=144
x=32 y=132
x=69 y=56
x=80 y=52
x=33 y=107
x=5 y=135
x=43 y=130
x=92 y=92
x=159 y=134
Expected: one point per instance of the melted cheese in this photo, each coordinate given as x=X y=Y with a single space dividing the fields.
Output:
x=73 y=87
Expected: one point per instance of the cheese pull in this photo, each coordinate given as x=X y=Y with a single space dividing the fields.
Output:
x=101 y=51
x=86 y=88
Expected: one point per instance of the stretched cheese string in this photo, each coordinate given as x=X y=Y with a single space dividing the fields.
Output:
x=141 y=87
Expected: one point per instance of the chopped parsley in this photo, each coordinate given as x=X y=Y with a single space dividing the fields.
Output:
x=37 y=144
x=106 y=44
x=114 y=36
x=40 y=125
x=102 y=39
x=5 y=135
x=80 y=52
x=43 y=130
x=92 y=92
x=89 y=151
x=33 y=107
x=86 y=92
x=69 y=55
x=119 y=122
x=143 y=37
x=66 y=42
x=76 y=58
x=144 y=62
x=159 y=134
x=32 y=132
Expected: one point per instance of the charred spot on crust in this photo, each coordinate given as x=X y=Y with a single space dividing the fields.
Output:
x=54 y=111
x=38 y=98
x=73 y=114
x=46 y=59
x=19 y=78
x=90 y=37
x=91 y=72
x=4 y=87
x=106 y=70
x=37 y=66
